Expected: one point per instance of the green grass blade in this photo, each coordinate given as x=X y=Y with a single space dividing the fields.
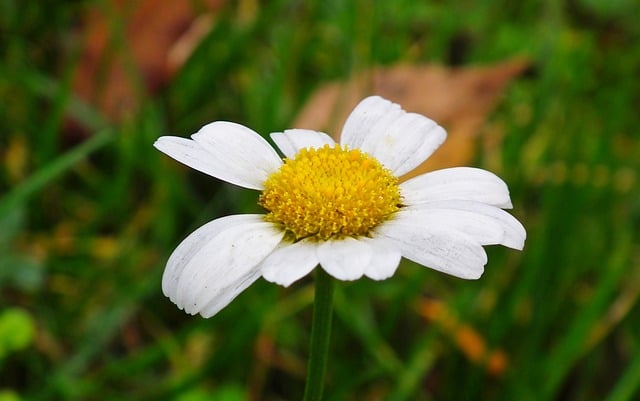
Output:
x=62 y=164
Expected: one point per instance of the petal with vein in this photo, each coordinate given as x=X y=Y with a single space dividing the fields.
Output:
x=188 y=152
x=291 y=141
x=191 y=245
x=345 y=258
x=399 y=140
x=229 y=293
x=290 y=262
x=370 y=118
x=384 y=260
x=489 y=225
x=461 y=183
x=242 y=157
x=441 y=249
x=224 y=263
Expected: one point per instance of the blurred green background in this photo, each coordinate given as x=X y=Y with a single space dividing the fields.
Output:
x=90 y=211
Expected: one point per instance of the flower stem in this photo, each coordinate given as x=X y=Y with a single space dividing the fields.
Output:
x=320 y=334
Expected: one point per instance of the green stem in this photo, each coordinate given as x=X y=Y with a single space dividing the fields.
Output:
x=320 y=333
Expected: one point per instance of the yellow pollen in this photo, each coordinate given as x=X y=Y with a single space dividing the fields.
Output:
x=330 y=192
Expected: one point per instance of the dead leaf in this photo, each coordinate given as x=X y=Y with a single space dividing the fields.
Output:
x=459 y=99
x=158 y=37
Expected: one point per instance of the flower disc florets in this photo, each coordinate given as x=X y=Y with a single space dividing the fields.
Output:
x=330 y=192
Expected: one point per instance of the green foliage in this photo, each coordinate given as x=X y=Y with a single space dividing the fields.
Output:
x=6 y=395
x=17 y=329
x=88 y=220
x=228 y=393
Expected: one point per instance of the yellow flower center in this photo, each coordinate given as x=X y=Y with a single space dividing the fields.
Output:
x=330 y=192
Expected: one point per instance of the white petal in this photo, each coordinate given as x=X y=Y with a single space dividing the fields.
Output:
x=188 y=152
x=191 y=245
x=241 y=156
x=487 y=224
x=462 y=183
x=229 y=293
x=217 y=271
x=399 y=140
x=346 y=258
x=385 y=259
x=290 y=262
x=291 y=141
x=370 y=118
x=439 y=248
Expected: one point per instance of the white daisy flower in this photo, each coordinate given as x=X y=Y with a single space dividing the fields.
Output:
x=337 y=205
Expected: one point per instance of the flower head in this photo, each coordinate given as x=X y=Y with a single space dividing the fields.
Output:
x=337 y=205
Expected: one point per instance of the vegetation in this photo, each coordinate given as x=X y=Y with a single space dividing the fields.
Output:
x=90 y=211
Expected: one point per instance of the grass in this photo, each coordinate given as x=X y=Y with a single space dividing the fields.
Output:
x=88 y=222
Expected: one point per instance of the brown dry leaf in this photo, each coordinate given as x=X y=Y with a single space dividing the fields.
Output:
x=158 y=37
x=459 y=99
